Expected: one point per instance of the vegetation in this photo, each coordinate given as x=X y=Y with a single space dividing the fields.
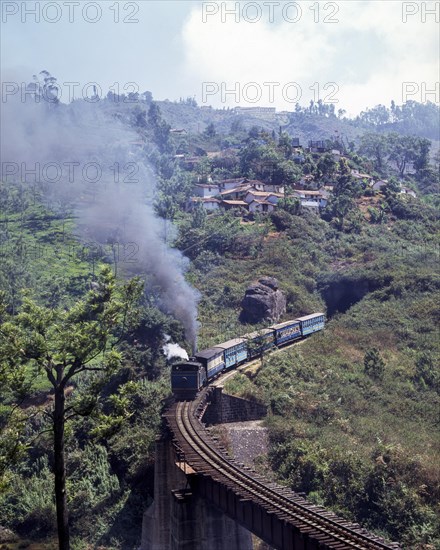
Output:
x=352 y=411
x=80 y=357
x=62 y=345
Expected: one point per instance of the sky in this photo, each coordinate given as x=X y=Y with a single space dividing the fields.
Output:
x=355 y=54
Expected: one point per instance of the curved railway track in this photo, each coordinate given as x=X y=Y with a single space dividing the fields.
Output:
x=197 y=449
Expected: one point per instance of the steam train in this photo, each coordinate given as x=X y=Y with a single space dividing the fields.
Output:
x=188 y=377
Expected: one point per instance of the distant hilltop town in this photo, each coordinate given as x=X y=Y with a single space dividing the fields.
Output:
x=255 y=196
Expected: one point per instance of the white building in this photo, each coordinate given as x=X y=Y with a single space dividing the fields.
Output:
x=407 y=191
x=273 y=188
x=252 y=195
x=311 y=199
x=206 y=189
x=226 y=185
x=208 y=203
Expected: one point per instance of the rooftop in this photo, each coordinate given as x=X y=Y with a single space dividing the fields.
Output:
x=237 y=189
x=307 y=317
x=262 y=332
x=308 y=192
x=231 y=343
x=285 y=324
x=235 y=203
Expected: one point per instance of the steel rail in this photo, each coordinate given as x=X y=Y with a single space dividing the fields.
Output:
x=316 y=524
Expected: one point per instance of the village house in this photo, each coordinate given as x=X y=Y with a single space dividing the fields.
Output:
x=311 y=199
x=228 y=184
x=237 y=193
x=228 y=204
x=252 y=195
x=407 y=191
x=336 y=155
x=208 y=203
x=256 y=184
x=206 y=189
x=261 y=206
x=273 y=188
x=318 y=146
x=359 y=176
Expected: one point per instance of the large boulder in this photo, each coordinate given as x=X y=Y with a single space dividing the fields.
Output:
x=263 y=301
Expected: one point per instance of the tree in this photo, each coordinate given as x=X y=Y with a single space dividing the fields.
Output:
x=210 y=130
x=377 y=116
x=285 y=144
x=161 y=130
x=375 y=146
x=78 y=344
x=326 y=166
x=290 y=205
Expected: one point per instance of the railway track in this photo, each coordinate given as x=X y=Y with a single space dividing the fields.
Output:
x=196 y=448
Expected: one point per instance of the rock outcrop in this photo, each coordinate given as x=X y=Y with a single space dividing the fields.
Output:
x=263 y=301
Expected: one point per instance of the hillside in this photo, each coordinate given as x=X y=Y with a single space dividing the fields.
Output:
x=352 y=411
x=308 y=123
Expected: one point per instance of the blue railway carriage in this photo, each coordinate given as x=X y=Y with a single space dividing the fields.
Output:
x=259 y=341
x=235 y=352
x=212 y=360
x=187 y=378
x=311 y=323
x=287 y=331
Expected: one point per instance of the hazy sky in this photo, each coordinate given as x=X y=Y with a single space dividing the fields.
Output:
x=269 y=53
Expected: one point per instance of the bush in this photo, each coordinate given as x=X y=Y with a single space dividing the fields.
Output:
x=427 y=374
x=29 y=506
x=374 y=365
x=281 y=219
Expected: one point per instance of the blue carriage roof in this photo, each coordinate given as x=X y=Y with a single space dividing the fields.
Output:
x=262 y=332
x=285 y=324
x=307 y=317
x=231 y=343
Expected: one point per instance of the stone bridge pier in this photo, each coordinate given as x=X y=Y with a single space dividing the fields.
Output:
x=179 y=519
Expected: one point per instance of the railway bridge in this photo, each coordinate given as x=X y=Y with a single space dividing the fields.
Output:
x=204 y=500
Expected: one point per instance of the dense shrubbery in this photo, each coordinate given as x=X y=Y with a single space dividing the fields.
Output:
x=109 y=470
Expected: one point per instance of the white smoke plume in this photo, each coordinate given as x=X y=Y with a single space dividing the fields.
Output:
x=70 y=146
x=171 y=350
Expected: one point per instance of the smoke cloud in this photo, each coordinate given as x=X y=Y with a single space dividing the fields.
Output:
x=171 y=350
x=84 y=156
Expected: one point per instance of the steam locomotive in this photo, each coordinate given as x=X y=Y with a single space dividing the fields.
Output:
x=188 y=377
